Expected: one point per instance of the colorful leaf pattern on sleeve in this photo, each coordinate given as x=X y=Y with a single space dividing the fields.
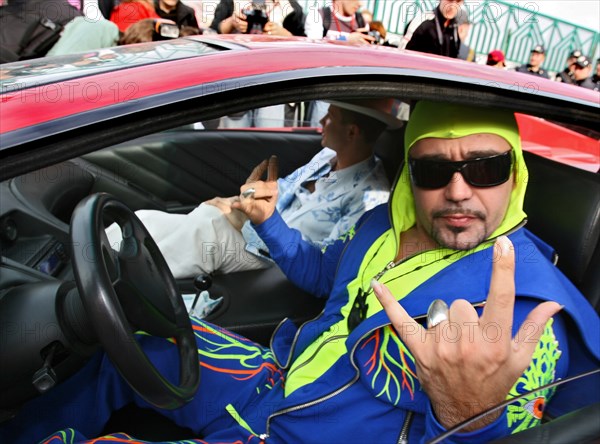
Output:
x=527 y=412
x=391 y=367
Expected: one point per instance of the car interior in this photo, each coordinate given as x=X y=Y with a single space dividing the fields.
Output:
x=175 y=169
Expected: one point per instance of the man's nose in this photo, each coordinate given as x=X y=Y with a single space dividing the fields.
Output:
x=458 y=189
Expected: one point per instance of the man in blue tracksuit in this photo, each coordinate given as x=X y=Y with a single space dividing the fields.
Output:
x=361 y=373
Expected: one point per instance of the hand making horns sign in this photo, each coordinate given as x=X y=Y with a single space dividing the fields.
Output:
x=466 y=376
x=257 y=197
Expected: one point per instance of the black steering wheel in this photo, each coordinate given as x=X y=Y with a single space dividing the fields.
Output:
x=132 y=290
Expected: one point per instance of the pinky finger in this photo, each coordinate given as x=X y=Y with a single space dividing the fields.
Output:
x=533 y=327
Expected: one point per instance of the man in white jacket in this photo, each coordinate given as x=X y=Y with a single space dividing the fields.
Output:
x=323 y=199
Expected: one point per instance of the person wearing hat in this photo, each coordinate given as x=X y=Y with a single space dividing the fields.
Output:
x=536 y=59
x=435 y=32
x=582 y=69
x=496 y=59
x=323 y=199
x=387 y=360
x=566 y=75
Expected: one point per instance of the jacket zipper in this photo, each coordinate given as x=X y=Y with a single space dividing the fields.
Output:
x=389 y=266
x=336 y=392
x=332 y=338
x=403 y=438
x=294 y=341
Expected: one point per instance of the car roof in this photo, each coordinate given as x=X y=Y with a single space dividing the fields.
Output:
x=201 y=59
x=323 y=53
x=158 y=75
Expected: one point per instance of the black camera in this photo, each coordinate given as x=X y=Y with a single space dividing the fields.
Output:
x=256 y=17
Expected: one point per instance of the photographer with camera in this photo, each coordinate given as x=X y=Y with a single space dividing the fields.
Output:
x=273 y=17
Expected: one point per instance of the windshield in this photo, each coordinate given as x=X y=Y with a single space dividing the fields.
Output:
x=30 y=73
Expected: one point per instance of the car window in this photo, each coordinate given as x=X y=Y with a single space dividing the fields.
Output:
x=280 y=117
x=287 y=116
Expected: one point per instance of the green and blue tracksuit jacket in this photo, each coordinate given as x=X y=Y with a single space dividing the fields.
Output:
x=369 y=393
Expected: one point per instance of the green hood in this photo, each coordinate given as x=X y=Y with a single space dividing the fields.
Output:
x=451 y=121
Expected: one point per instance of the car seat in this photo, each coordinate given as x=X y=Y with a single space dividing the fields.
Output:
x=563 y=208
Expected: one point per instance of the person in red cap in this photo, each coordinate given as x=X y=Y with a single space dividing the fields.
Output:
x=496 y=59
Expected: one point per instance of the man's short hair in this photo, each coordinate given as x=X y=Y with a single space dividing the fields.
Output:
x=372 y=115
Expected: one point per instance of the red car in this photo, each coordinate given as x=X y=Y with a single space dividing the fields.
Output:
x=146 y=123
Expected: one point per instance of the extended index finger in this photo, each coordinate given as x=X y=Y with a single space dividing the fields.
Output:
x=257 y=172
x=501 y=297
x=409 y=330
x=273 y=171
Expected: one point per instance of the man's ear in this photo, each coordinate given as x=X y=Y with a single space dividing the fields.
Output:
x=353 y=131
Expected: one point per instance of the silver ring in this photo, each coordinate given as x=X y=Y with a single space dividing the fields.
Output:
x=436 y=313
x=249 y=192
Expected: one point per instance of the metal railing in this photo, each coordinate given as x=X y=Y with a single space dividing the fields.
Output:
x=496 y=24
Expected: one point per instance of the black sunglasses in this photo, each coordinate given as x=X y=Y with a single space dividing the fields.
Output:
x=481 y=172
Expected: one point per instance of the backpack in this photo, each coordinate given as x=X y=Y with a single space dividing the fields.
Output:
x=360 y=21
x=31 y=27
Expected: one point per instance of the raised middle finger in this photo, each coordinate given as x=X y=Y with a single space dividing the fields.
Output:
x=273 y=169
x=501 y=297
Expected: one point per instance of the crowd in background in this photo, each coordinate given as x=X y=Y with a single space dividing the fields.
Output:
x=443 y=31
